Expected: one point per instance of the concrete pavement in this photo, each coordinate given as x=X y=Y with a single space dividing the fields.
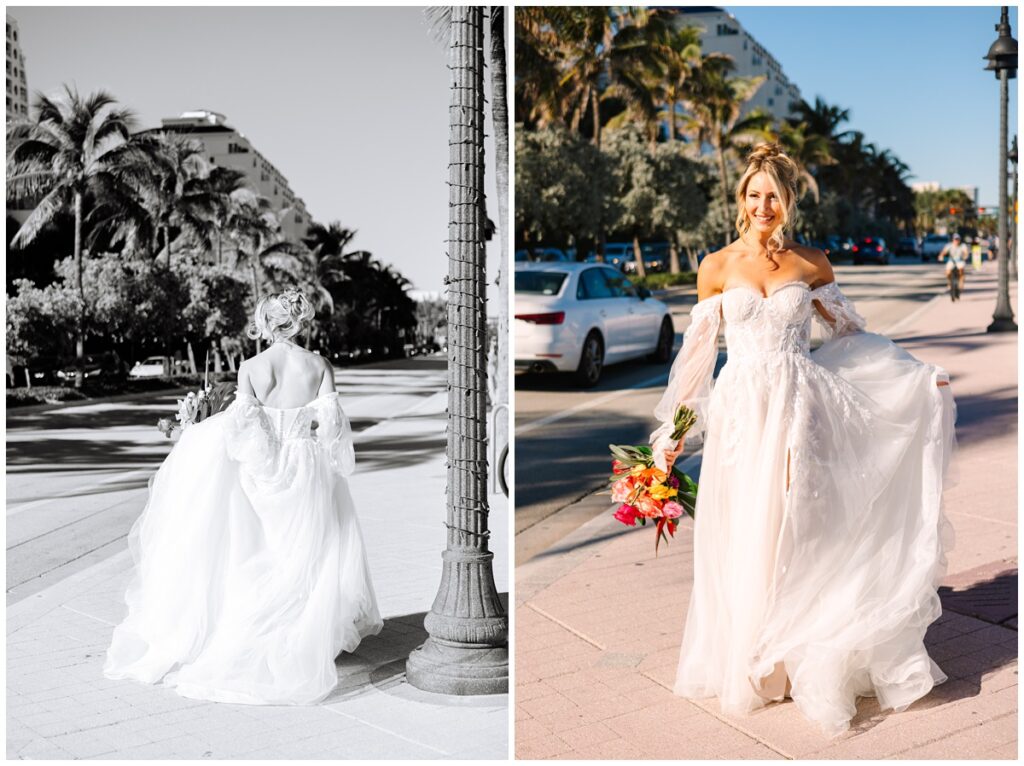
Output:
x=599 y=618
x=59 y=705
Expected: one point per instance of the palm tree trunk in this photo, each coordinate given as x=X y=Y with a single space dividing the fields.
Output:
x=499 y=116
x=727 y=230
x=467 y=648
x=674 y=267
x=595 y=112
x=167 y=241
x=672 y=121
x=79 y=268
x=641 y=270
x=255 y=299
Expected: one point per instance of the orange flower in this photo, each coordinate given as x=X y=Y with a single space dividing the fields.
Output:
x=648 y=507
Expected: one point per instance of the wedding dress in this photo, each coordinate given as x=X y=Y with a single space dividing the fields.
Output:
x=250 y=574
x=819 y=537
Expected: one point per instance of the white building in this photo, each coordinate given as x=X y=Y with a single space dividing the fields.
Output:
x=17 y=84
x=227 y=147
x=721 y=32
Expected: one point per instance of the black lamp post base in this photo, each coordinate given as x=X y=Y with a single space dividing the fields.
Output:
x=450 y=668
x=1002 y=325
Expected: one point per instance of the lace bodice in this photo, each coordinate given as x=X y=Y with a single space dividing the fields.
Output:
x=259 y=433
x=756 y=326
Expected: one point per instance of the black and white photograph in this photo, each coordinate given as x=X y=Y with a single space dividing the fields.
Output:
x=257 y=383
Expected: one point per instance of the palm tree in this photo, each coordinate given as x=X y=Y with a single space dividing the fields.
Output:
x=680 y=54
x=221 y=183
x=75 y=146
x=179 y=196
x=715 y=104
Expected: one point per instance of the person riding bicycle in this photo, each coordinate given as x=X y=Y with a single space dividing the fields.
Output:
x=956 y=266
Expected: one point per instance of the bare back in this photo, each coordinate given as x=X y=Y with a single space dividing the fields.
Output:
x=286 y=376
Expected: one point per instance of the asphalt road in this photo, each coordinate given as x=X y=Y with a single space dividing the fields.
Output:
x=562 y=432
x=77 y=476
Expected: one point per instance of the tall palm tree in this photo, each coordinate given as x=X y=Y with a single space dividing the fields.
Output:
x=221 y=184
x=179 y=197
x=680 y=54
x=74 y=146
x=715 y=104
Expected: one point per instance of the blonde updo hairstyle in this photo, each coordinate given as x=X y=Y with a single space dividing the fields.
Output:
x=783 y=173
x=281 y=316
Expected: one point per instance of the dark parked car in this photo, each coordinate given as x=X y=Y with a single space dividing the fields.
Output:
x=107 y=364
x=871 y=249
x=908 y=246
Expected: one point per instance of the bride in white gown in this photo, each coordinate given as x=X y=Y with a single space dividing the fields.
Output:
x=250 y=575
x=819 y=537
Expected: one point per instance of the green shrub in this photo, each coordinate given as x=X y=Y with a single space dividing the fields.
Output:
x=102 y=387
x=663 y=280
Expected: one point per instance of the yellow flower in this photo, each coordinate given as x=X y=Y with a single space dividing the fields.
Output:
x=662 y=492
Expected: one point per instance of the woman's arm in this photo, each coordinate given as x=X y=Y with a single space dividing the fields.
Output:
x=244 y=383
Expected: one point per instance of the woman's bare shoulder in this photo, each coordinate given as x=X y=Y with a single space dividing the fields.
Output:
x=712 y=272
x=817 y=268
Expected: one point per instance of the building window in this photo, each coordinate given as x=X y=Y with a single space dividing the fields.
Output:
x=771 y=101
x=275 y=191
x=755 y=60
x=254 y=162
x=298 y=218
x=778 y=91
x=744 y=45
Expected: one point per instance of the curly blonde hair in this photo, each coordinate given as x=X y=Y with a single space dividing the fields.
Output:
x=281 y=316
x=782 y=171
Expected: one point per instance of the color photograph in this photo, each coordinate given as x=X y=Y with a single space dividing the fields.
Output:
x=766 y=392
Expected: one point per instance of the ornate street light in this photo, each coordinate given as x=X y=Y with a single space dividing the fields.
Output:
x=467 y=648
x=1013 y=184
x=1002 y=59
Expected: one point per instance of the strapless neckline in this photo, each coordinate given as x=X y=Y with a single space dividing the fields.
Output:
x=756 y=291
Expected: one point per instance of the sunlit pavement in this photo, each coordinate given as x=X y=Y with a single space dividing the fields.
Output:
x=79 y=479
x=599 y=619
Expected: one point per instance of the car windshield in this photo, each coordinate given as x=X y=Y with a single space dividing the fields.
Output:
x=154 y=360
x=540 y=282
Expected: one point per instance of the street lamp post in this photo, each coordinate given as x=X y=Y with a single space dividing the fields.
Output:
x=467 y=648
x=1002 y=59
x=1013 y=221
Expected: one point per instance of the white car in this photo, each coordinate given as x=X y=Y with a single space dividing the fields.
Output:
x=153 y=367
x=578 y=317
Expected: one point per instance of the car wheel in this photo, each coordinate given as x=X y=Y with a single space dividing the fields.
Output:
x=591 y=361
x=666 y=337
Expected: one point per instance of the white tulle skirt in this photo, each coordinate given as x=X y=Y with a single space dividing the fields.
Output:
x=247 y=585
x=819 y=535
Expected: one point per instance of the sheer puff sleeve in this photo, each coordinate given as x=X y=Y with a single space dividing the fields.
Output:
x=844 y=317
x=690 y=380
x=334 y=434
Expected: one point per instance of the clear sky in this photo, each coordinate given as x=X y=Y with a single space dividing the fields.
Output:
x=913 y=79
x=350 y=104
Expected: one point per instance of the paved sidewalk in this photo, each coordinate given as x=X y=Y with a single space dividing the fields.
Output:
x=599 y=618
x=60 y=706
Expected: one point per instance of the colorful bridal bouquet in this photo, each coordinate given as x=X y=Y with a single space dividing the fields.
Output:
x=646 y=492
x=197 y=406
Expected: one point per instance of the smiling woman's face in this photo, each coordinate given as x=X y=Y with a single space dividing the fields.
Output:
x=764 y=208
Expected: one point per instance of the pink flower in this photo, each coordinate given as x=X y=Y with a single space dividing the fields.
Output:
x=627 y=515
x=649 y=507
x=672 y=510
x=623 y=488
x=619 y=467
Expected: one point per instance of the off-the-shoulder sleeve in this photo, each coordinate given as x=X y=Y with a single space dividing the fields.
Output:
x=334 y=434
x=690 y=380
x=250 y=438
x=845 y=319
